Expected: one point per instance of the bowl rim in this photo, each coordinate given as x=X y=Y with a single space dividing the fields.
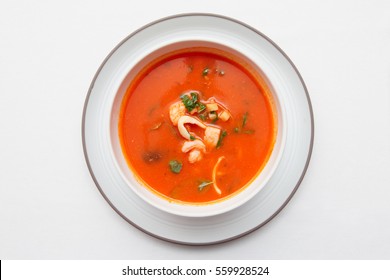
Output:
x=83 y=130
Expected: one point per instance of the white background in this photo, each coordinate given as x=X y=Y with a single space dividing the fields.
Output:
x=49 y=205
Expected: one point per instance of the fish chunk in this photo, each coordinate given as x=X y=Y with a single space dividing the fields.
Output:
x=211 y=136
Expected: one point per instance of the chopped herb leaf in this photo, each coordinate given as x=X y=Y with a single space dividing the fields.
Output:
x=202 y=117
x=188 y=102
x=244 y=119
x=175 y=166
x=223 y=135
x=201 y=107
x=194 y=97
x=192 y=137
x=236 y=130
x=203 y=184
x=205 y=71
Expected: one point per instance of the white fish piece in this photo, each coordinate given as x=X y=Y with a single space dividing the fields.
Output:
x=211 y=136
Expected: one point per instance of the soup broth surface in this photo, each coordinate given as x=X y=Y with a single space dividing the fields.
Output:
x=197 y=125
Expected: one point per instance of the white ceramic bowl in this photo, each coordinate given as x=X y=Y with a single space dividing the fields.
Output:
x=166 y=44
x=268 y=194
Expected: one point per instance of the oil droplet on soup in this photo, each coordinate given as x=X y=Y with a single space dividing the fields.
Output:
x=197 y=126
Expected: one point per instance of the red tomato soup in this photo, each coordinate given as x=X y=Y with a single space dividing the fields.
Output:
x=197 y=125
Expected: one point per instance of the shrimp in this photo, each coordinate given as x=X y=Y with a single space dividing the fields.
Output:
x=195 y=155
x=211 y=136
x=190 y=145
x=176 y=110
x=187 y=119
x=196 y=149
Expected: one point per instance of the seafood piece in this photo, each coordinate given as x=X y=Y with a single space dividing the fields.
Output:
x=190 y=145
x=195 y=155
x=218 y=190
x=188 y=120
x=211 y=136
x=176 y=110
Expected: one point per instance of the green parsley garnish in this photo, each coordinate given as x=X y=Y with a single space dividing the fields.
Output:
x=194 y=97
x=203 y=184
x=223 y=135
x=202 y=117
x=201 y=107
x=244 y=119
x=240 y=129
x=189 y=102
x=192 y=102
x=175 y=166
